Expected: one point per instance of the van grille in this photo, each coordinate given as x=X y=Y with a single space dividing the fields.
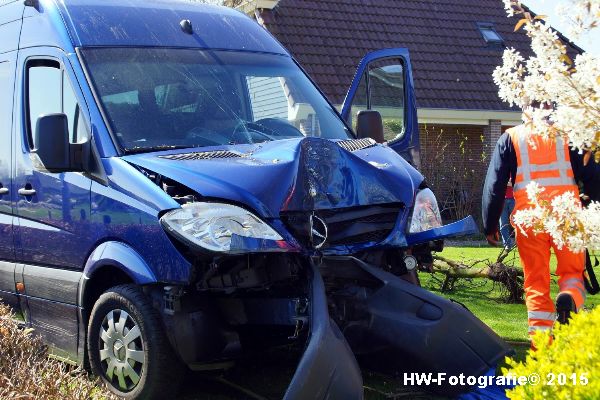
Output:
x=206 y=155
x=356 y=144
x=346 y=226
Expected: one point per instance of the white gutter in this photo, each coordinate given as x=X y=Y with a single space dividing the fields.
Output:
x=467 y=117
x=248 y=7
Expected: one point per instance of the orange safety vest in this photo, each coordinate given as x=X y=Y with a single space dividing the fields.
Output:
x=548 y=164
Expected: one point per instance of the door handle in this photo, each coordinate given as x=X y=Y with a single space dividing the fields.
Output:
x=26 y=192
x=3 y=191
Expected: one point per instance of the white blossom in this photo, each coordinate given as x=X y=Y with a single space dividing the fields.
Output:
x=579 y=15
x=508 y=6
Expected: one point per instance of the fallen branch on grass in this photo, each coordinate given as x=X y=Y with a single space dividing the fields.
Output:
x=510 y=278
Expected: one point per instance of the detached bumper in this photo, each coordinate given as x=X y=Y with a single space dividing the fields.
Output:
x=328 y=368
x=465 y=226
x=406 y=329
x=413 y=330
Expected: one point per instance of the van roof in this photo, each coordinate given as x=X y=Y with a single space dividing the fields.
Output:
x=157 y=23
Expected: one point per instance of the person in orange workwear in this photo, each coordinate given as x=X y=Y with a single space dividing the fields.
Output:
x=523 y=158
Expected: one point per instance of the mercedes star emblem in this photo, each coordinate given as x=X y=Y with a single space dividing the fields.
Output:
x=318 y=232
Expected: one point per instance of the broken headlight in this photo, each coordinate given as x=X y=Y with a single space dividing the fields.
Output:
x=212 y=225
x=426 y=213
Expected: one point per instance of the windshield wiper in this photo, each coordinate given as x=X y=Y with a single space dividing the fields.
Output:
x=138 y=150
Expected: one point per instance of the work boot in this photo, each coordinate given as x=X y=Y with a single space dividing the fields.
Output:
x=565 y=305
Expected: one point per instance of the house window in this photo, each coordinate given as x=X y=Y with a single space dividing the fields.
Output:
x=267 y=96
x=489 y=34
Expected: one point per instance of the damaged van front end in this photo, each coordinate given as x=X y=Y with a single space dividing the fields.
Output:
x=323 y=260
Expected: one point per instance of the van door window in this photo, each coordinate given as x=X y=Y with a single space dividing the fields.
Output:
x=359 y=103
x=49 y=91
x=386 y=95
x=44 y=93
x=77 y=126
x=381 y=88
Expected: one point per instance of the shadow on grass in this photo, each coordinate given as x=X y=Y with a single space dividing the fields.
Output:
x=267 y=377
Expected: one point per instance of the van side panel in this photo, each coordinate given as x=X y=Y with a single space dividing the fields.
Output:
x=11 y=14
x=7 y=251
x=7 y=285
x=128 y=209
x=7 y=81
x=56 y=319
x=54 y=226
x=52 y=232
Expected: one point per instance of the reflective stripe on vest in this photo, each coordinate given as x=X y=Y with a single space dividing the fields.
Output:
x=562 y=165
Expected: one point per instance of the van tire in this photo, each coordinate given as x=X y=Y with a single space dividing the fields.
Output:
x=158 y=368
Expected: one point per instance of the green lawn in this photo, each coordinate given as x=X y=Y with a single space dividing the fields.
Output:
x=483 y=297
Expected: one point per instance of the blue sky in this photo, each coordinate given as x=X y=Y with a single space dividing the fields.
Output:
x=589 y=43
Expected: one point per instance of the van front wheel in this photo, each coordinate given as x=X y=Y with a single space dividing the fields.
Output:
x=128 y=348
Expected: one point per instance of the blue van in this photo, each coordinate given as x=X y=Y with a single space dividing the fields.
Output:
x=175 y=191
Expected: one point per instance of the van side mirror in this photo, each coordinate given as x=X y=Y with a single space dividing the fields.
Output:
x=53 y=148
x=369 y=124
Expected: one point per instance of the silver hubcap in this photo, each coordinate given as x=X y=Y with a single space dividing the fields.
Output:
x=121 y=350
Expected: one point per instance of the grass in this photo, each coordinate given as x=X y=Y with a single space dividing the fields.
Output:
x=484 y=298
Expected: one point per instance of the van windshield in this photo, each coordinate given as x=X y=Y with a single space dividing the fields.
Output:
x=157 y=99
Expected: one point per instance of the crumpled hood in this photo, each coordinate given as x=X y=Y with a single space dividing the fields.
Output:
x=290 y=175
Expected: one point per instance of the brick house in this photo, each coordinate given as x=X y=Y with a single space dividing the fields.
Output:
x=454 y=47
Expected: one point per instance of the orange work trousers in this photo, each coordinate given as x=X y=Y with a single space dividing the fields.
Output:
x=534 y=250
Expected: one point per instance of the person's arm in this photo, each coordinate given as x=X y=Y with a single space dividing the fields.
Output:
x=503 y=167
x=588 y=175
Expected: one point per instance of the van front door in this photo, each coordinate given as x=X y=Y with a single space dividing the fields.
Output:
x=54 y=233
x=7 y=252
x=383 y=82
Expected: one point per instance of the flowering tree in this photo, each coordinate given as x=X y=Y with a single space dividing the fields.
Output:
x=550 y=76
